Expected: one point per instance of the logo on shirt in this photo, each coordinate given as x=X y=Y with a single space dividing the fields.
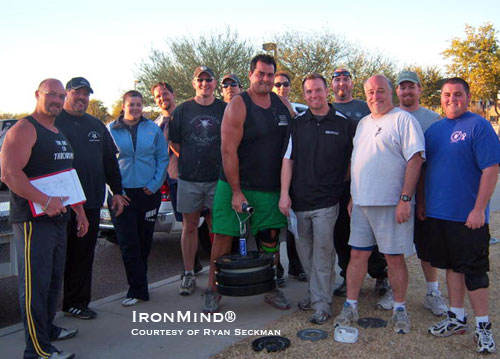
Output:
x=379 y=131
x=94 y=136
x=457 y=136
x=283 y=120
x=331 y=132
x=63 y=155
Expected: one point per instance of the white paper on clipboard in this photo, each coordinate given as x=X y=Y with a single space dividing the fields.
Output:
x=60 y=184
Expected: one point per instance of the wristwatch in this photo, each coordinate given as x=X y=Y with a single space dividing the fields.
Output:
x=405 y=198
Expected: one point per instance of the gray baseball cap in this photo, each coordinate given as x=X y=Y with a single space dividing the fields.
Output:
x=408 y=76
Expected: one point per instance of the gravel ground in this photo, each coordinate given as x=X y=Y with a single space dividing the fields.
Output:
x=384 y=343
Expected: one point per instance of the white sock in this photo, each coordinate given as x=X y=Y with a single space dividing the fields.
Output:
x=352 y=302
x=189 y=272
x=459 y=313
x=483 y=319
x=433 y=286
x=397 y=305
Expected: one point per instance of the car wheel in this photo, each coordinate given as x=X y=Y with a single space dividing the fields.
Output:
x=246 y=290
x=230 y=278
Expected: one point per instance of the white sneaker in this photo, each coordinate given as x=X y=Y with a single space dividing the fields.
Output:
x=484 y=338
x=435 y=303
x=387 y=301
x=348 y=315
x=401 y=321
x=128 y=302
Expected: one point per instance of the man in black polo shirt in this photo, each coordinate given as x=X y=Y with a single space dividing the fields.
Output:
x=312 y=178
x=96 y=164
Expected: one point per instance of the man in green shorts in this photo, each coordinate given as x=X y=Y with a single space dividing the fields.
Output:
x=252 y=138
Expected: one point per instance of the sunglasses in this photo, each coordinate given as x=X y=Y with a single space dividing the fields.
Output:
x=232 y=84
x=278 y=84
x=210 y=79
x=341 y=73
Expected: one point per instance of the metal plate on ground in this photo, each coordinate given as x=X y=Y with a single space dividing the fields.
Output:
x=372 y=323
x=271 y=343
x=312 y=335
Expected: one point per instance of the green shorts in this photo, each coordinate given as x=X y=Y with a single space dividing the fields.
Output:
x=266 y=215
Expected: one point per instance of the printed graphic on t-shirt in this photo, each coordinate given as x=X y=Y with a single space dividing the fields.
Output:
x=457 y=136
x=94 y=136
x=379 y=131
x=63 y=155
x=206 y=130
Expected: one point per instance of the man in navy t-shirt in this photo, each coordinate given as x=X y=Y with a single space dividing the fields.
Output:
x=463 y=153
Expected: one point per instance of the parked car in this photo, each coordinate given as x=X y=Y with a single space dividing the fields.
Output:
x=299 y=107
x=5 y=125
x=165 y=221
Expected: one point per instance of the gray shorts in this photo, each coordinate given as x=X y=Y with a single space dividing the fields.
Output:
x=193 y=196
x=376 y=225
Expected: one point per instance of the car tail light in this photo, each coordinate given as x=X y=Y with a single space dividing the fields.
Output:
x=165 y=193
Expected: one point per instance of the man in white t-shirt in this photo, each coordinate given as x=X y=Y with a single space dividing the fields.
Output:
x=385 y=166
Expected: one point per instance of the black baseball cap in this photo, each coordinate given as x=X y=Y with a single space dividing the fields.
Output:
x=231 y=77
x=78 y=82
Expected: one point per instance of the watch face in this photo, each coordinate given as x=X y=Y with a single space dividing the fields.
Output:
x=405 y=198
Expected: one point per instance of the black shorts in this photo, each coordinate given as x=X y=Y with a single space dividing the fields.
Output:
x=456 y=247
x=422 y=240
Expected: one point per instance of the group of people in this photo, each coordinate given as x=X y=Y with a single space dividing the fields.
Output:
x=361 y=179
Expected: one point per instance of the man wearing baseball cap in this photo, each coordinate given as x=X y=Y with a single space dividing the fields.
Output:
x=409 y=90
x=231 y=86
x=194 y=132
x=96 y=164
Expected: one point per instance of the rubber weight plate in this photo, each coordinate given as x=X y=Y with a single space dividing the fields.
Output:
x=372 y=323
x=228 y=278
x=271 y=343
x=236 y=261
x=246 y=290
x=312 y=335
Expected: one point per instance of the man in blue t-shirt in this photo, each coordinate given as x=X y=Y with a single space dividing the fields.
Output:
x=463 y=153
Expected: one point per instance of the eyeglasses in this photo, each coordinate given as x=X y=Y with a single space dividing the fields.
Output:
x=341 y=73
x=278 y=84
x=232 y=84
x=210 y=79
x=54 y=95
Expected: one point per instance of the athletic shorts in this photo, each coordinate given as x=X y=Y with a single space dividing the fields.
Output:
x=454 y=246
x=422 y=240
x=193 y=196
x=266 y=211
x=377 y=226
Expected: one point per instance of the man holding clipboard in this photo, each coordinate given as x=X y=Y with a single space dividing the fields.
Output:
x=34 y=147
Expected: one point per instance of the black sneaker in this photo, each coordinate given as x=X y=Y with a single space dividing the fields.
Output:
x=80 y=313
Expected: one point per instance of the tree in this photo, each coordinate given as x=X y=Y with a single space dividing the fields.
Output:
x=8 y=115
x=302 y=53
x=477 y=60
x=97 y=109
x=223 y=52
x=431 y=80
x=116 y=109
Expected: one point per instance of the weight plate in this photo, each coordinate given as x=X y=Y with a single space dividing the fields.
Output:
x=372 y=323
x=265 y=274
x=312 y=335
x=246 y=290
x=236 y=261
x=271 y=343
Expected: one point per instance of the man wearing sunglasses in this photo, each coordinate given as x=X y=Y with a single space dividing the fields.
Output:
x=194 y=132
x=354 y=109
x=231 y=86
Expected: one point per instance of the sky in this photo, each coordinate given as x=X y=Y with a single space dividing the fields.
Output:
x=105 y=41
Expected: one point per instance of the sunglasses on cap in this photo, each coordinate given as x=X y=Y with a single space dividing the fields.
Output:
x=210 y=79
x=341 y=73
x=278 y=84
x=232 y=84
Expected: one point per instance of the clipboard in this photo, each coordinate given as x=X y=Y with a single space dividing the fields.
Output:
x=58 y=184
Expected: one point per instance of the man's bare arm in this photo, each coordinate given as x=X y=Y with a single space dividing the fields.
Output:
x=412 y=173
x=286 y=179
x=231 y=135
x=476 y=217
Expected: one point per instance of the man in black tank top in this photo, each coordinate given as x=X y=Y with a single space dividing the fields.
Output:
x=35 y=147
x=252 y=136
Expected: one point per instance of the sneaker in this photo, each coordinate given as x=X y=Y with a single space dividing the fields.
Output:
x=305 y=304
x=59 y=355
x=449 y=326
x=277 y=299
x=401 y=321
x=301 y=277
x=188 y=283
x=387 y=301
x=347 y=315
x=319 y=317
x=341 y=290
x=211 y=301
x=435 y=303
x=128 y=302
x=382 y=286
x=63 y=334
x=484 y=338
x=80 y=313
